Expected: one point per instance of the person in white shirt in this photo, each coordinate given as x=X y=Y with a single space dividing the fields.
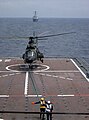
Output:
x=49 y=108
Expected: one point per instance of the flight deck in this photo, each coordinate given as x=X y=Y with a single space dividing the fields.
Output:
x=59 y=80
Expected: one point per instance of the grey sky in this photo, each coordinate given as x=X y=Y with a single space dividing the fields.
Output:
x=45 y=8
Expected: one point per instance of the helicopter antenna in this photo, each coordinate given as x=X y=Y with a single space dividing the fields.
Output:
x=34 y=33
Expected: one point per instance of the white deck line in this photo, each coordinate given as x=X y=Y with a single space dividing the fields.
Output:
x=59 y=71
x=4 y=75
x=7 y=60
x=4 y=96
x=0 y=60
x=65 y=95
x=70 y=95
x=26 y=84
x=34 y=95
x=79 y=70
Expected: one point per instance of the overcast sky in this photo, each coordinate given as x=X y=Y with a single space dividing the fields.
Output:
x=45 y=8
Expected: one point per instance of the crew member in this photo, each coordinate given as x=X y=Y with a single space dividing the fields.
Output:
x=49 y=108
x=42 y=103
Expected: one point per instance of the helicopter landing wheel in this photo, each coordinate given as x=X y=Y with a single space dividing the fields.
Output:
x=33 y=66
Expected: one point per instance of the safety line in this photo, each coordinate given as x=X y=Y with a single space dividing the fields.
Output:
x=26 y=84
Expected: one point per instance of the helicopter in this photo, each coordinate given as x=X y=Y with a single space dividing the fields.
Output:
x=32 y=52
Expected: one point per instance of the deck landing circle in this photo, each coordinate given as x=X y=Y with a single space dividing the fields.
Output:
x=25 y=68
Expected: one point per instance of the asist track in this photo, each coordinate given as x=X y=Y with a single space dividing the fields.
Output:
x=59 y=80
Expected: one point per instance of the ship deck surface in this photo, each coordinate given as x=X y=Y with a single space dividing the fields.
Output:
x=59 y=80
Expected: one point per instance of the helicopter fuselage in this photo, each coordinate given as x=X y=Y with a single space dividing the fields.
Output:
x=29 y=56
x=32 y=53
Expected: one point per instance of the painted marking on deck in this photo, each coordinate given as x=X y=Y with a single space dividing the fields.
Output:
x=69 y=78
x=4 y=96
x=60 y=71
x=55 y=76
x=12 y=74
x=8 y=68
x=6 y=71
x=26 y=84
x=12 y=70
x=35 y=95
x=62 y=77
x=49 y=71
x=17 y=73
x=48 y=75
x=0 y=60
x=80 y=70
x=4 y=75
x=66 y=95
x=7 y=60
x=61 y=95
x=70 y=95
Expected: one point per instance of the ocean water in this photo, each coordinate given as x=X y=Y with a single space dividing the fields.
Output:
x=70 y=45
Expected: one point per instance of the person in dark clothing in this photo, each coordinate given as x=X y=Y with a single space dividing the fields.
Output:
x=42 y=103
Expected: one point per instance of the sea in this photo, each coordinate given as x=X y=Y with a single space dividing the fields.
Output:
x=14 y=34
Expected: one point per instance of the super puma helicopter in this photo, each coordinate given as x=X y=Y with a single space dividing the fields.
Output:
x=32 y=52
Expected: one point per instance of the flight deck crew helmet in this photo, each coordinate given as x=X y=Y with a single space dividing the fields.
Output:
x=48 y=102
x=42 y=99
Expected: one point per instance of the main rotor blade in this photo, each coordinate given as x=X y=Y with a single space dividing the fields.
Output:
x=16 y=38
x=35 y=37
x=55 y=35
